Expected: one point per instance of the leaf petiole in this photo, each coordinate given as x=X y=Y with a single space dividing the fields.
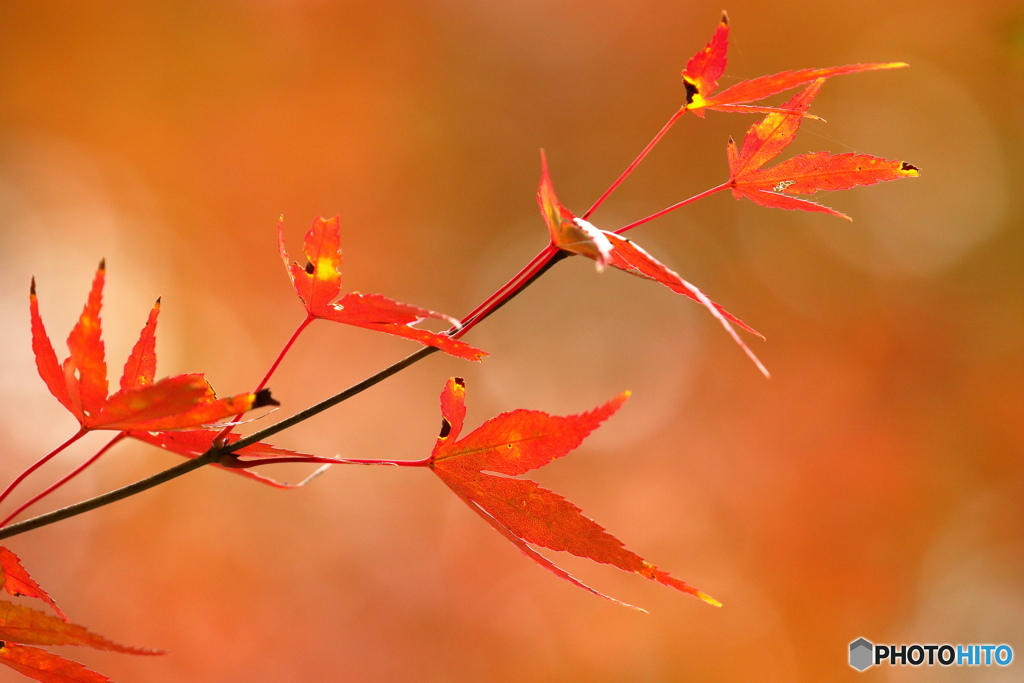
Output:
x=63 y=480
x=677 y=205
x=636 y=162
x=39 y=463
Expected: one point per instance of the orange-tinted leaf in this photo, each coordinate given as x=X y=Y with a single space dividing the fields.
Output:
x=80 y=383
x=20 y=624
x=377 y=312
x=700 y=78
x=804 y=174
x=46 y=359
x=808 y=173
x=578 y=236
x=45 y=666
x=16 y=581
x=516 y=442
x=355 y=308
x=766 y=138
x=141 y=364
x=758 y=88
x=192 y=444
x=86 y=360
x=181 y=402
x=318 y=284
x=777 y=200
x=544 y=562
x=628 y=256
x=568 y=232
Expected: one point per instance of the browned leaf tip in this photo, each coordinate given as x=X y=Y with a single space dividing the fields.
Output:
x=263 y=398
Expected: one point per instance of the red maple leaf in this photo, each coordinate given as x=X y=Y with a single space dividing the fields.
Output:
x=480 y=466
x=573 y=234
x=803 y=174
x=700 y=78
x=47 y=667
x=318 y=284
x=16 y=581
x=22 y=626
x=80 y=382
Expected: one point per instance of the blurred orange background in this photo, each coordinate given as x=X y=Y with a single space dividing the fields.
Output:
x=872 y=488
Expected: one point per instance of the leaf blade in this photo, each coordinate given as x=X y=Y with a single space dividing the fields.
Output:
x=140 y=367
x=378 y=312
x=46 y=667
x=46 y=358
x=87 y=352
x=702 y=71
x=521 y=510
x=27 y=626
x=809 y=173
x=318 y=284
x=16 y=581
x=179 y=402
x=767 y=138
x=765 y=86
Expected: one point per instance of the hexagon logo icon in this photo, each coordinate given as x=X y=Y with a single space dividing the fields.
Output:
x=861 y=654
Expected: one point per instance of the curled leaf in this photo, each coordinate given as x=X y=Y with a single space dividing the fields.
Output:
x=577 y=236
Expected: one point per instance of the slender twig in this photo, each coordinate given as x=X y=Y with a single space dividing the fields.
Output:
x=111 y=496
x=510 y=285
x=677 y=205
x=539 y=265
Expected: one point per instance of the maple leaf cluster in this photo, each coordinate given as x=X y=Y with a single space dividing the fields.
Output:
x=182 y=414
x=22 y=629
x=80 y=382
x=771 y=187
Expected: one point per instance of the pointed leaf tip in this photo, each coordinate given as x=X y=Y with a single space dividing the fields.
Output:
x=708 y=599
